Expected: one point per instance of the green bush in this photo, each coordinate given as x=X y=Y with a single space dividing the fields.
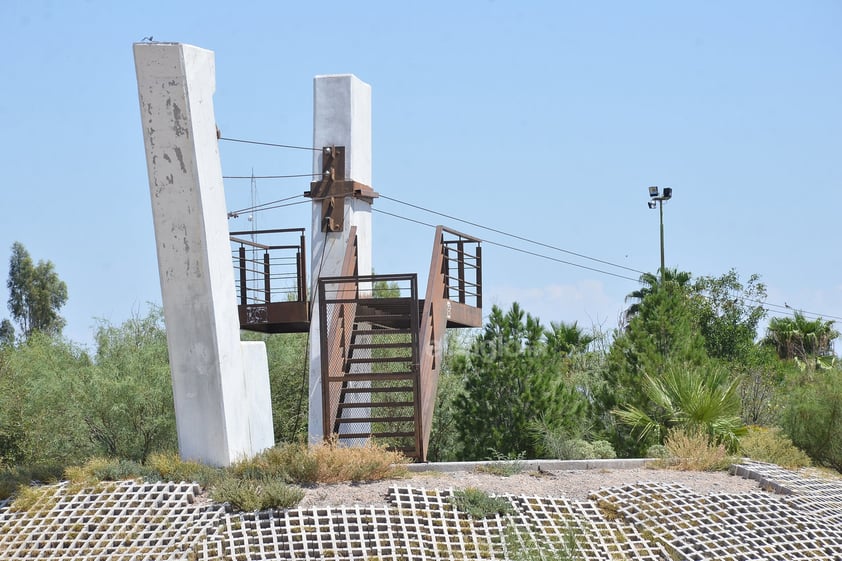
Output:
x=14 y=477
x=770 y=445
x=118 y=470
x=576 y=449
x=603 y=450
x=521 y=545
x=479 y=504
x=250 y=495
x=812 y=415
x=170 y=467
x=657 y=451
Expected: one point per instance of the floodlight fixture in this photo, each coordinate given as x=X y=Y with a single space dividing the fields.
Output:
x=656 y=200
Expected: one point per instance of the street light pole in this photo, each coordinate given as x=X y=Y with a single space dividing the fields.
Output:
x=661 y=211
x=656 y=198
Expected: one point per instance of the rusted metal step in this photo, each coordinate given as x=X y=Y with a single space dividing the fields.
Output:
x=384 y=389
x=376 y=404
x=372 y=376
x=404 y=345
x=382 y=332
x=381 y=405
x=394 y=434
x=378 y=359
x=396 y=419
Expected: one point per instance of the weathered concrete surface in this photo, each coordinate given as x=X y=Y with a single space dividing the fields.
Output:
x=222 y=403
x=341 y=117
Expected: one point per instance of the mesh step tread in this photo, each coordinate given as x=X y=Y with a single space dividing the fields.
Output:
x=394 y=389
x=377 y=404
x=352 y=420
x=407 y=345
x=372 y=376
x=384 y=331
x=396 y=434
x=379 y=359
x=379 y=317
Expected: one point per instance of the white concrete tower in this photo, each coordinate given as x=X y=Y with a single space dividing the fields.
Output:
x=341 y=117
x=220 y=385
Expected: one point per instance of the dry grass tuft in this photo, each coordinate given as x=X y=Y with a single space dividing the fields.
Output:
x=694 y=452
x=337 y=463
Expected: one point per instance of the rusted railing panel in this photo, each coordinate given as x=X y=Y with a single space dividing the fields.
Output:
x=271 y=281
x=452 y=252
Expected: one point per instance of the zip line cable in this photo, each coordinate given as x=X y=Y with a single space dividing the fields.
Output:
x=260 y=207
x=521 y=238
x=270 y=176
x=790 y=310
x=517 y=249
x=273 y=144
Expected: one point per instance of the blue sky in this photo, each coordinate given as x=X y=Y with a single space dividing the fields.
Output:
x=548 y=120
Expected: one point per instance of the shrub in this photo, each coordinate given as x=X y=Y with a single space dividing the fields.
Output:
x=109 y=469
x=693 y=451
x=503 y=466
x=26 y=498
x=658 y=451
x=170 y=467
x=521 y=545
x=479 y=504
x=770 y=445
x=576 y=449
x=11 y=479
x=603 y=450
x=272 y=463
x=336 y=463
x=251 y=494
x=813 y=415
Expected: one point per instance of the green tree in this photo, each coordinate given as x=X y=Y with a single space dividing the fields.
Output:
x=445 y=444
x=7 y=333
x=761 y=374
x=511 y=382
x=567 y=339
x=813 y=414
x=728 y=313
x=36 y=294
x=800 y=338
x=41 y=420
x=126 y=395
x=663 y=331
x=649 y=284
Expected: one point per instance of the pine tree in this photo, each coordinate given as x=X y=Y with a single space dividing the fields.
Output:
x=512 y=381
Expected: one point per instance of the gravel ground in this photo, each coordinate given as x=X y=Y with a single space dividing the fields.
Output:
x=570 y=484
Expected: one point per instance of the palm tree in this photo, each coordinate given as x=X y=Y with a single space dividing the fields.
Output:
x=693 y=399
x=567 y=338
x=798 y=337
x=651 y=283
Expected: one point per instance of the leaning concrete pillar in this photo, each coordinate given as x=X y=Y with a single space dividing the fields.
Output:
x=341 y=117
x=220 y=385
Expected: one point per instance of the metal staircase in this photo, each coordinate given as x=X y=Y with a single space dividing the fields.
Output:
x=382 y=346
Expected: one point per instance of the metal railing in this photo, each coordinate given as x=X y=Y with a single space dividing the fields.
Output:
x=269 y=272
x=461 y=267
